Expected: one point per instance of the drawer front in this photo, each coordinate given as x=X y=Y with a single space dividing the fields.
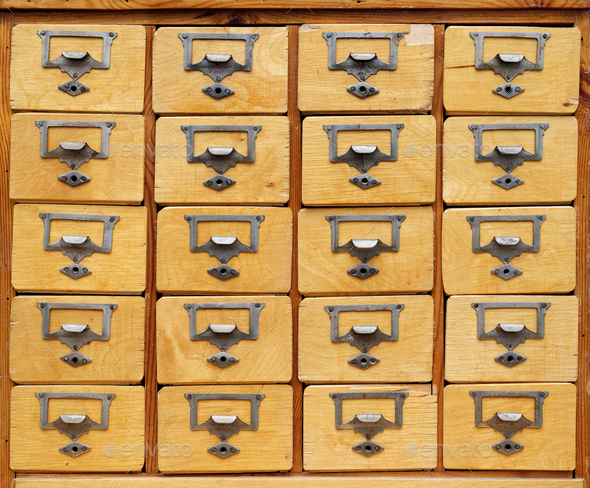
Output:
x=260 y=440
x=393 y=70
x=328 y=447
x=43 y=261
x=254 y=346
x=511 y=338
x=479 y=446
x=112 y=420
x=540 y=75
x=108 y=349
x=327 y=265
x=366 y=340
x=510 y=160
x=42 y=170
x=263 y=238
x=256 y=171
x=543 y=235
x=109 y=78
x=340 y=152
x=239 y=61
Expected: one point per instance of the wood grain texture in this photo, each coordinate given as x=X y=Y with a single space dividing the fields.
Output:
x=551 y=447
x=120 y=359
x=551 y=270
x=323 y=272
x=118 y=449
x=407 y=360
x=120 y=271
x=263 y=182
x=407 y=89
x=176 y=90
x=329 y=449
x=552 y=90
x=550 y=180
x=553 y=358
x=269 y=448
x=267 y=270
x=411 y=179
x=268 y=359
x=115 y=180
x=116 y=89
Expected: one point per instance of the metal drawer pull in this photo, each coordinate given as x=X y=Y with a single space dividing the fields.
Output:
x=224 y=426
x=220 y=158
x=506 y=248
x=75 y=154
x=76 y=63
x=217 y=66
x=364 y=337
x=369 y=425
x=509 y=423
x=510 y=335
x=78 y=247
x=365 y=249
x=75 y=426
x=509 y=66
x=508 y=157
x=362 y=65
x=76 y=335
x=363 y=157
x=224 y=335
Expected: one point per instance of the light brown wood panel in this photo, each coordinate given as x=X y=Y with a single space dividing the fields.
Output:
x=410 y=179
x=553 y=358
x=267 y=270
x=550 y=180
x=118 y=360
x=265 y=181
x=329 y=449
x=551 y=270
x=261 y=90
x=269 y=448
x=409 y=359
x=407 y=89
x=323 y=272
x=117 y=179
x=552 y=90
x=268 y=359
x=116 y=89
x=118 y=449
x=551 y=447
x=123 y=270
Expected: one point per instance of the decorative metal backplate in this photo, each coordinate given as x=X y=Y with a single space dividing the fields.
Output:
x=75 y=426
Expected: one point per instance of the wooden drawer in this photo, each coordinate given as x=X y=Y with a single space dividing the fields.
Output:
x=546 y=349
x=544 y=235
x=404 y=156
x=108 y=350
x=264 y=266
x=114 y=175
x=265 y=443
x=333 y=349
x=471 y=443
x=542 y=170
x=261 y=149
x=402 y=83
x=118 y=262
x=113 y=420
x=194 y=348
x=331 y=412
x=255 y=75
x=405 y=268
x=114 y=84
x=545 y=81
